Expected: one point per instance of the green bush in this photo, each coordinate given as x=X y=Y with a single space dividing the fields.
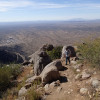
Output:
x=55 y=53
x=7 y=73
x=90 y=52
x=33 y=95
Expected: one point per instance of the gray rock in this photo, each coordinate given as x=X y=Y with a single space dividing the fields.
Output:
x=56 y=63
x=46 y=87
x=59 y=89
x=73 y=62
x=53 y=84
x=95 y=83
x=83 y=91
x=85 y=75
x=78 y=70
x=40 y=60
x=22 y=91
x=49 y=74
x=77 y=66
x=78 y=76
x=33 y=79
x=73 y=53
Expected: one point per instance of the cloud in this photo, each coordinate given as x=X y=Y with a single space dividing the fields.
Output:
x=17 y=4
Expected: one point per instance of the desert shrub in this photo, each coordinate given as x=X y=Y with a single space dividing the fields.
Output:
x=33 y=95
x=16 y=69
x=55 y=53
x=90 y=52
x=7 y=73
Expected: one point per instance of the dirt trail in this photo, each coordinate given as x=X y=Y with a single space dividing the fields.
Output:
x=69 y=88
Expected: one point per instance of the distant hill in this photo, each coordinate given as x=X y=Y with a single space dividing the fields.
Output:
x=27 y=37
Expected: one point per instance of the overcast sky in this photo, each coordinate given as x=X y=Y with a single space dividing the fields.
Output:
x=33 y=10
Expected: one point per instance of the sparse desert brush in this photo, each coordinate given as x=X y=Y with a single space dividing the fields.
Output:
x=7 y=73
x=90 y=52
x=33 y=95
x=55 y=53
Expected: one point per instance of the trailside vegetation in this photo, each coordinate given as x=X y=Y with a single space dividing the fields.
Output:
x=90 y=52
x=55 y=53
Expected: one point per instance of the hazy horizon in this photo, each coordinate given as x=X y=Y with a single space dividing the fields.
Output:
x=48 y=10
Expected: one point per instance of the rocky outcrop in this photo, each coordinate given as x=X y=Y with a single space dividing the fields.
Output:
x=71 y=48
x=48 y=75
x=40 y=60
x=10 y=57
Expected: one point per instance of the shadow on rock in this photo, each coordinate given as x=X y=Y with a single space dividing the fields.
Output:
x=63 y=79
x=64 y=68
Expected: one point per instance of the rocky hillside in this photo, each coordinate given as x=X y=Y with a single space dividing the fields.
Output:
x=46 y=79
x=53 y=80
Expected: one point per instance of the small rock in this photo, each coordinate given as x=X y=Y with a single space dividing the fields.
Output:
x=95 y=83
x=85 y=75
x=95 y=73
x=28 y=85
x=78 y=70
x=56 y=83
x=22 y=91
x=77 y=66
x=65 y=92
x=53 y=84
x=59 y=89
x=78 y=76
x=46 y=87
x=73 y=62
x=69 y=92
x=83 y=91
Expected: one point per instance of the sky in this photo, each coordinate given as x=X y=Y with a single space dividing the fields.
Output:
x=41 y=10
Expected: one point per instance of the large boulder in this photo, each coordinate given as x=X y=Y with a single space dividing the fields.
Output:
x=57 y=64
x=10 y=57
x=40 y=60
x=71 y=48
x=73 y=53
x=49 y=74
